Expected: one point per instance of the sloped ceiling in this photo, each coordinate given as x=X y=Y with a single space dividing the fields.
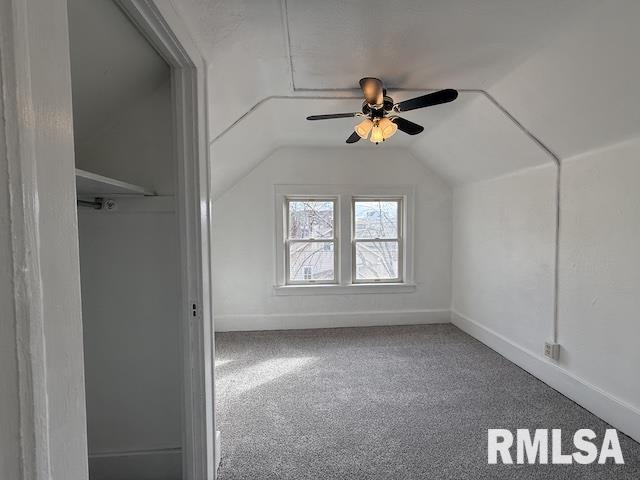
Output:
x=580 y=91
x=472 y=122
x=565 y=69
x=112 y=64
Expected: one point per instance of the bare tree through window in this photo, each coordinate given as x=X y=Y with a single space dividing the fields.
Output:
x=376 y=239
x=311 y=240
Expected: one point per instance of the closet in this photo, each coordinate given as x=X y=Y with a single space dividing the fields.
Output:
x=126 y=177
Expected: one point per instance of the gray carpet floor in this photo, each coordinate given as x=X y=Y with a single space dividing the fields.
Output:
x=396 y=403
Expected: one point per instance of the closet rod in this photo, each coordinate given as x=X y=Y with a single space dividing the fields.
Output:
x=96 y=203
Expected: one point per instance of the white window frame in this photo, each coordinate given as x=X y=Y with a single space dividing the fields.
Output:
x=344 y=274
x=336 y=236
x=398 y=239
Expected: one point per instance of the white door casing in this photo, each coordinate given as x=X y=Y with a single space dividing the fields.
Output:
x=161 y=25
x=42 y=401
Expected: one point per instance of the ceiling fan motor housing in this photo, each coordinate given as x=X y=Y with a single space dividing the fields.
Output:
x=387 y=106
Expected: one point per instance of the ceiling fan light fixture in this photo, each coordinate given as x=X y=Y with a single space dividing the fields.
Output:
x=376 y=134
x=364 y=128
x=387 y=127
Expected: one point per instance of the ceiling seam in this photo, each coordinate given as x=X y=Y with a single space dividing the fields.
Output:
x=287 y=40
x=497 y=104
x=276 y=97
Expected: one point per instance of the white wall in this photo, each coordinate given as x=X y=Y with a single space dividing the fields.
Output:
x=503 y=254
x=131 y=299
x=243 y=242
x=112 y=65
x=135 y=147
x=130 y=296
x=599 y=324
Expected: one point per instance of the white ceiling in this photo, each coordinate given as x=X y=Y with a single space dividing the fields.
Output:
x=112 y=65
x=259 y=48
x=244 y=43
x=566 y=69
x=417 y=43
x=580 y=92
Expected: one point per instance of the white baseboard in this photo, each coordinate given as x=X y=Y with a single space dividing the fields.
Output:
x=229 y=323
x=163 y=464
x=621 y=415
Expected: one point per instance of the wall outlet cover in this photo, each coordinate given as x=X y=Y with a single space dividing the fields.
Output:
x=552 y=350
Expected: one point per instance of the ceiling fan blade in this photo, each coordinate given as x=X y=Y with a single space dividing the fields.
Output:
x=373 y=90
x=353 y=138
x=435 y=98
x=406 y=126
x=331 y=115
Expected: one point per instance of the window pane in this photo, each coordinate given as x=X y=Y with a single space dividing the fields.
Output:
x=376 y=219
x=311 y=261
x=310 y=219
x=376 y=260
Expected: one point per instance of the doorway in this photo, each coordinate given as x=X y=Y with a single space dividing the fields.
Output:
x=142 y=189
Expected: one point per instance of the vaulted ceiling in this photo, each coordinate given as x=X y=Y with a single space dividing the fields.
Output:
x=562 y=71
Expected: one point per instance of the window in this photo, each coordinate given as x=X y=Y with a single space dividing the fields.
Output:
x=310 y=240
x=376 y=240
x=307 y=272
x=334 y=239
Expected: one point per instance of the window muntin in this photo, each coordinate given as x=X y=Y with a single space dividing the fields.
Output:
x=376 y=240
x=311 y=241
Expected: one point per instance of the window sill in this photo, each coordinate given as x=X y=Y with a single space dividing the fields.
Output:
x=354 y=289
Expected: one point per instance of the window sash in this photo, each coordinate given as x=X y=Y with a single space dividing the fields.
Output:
x=398 y=239
x=287 y=212
x=398 y=201
x=289 y=241
x=291 y=281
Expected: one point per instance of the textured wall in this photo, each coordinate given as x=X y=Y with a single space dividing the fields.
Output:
x=503 y=246
x=599 y=326
x=503 y=254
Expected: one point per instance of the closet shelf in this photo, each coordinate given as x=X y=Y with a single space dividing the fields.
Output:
x=94 y=185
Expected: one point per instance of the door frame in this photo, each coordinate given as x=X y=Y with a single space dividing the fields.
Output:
x=161 y=25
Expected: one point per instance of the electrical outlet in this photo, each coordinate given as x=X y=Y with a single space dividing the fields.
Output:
x=552 y=350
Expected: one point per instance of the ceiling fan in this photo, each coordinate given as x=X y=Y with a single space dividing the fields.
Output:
x=380 y=113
